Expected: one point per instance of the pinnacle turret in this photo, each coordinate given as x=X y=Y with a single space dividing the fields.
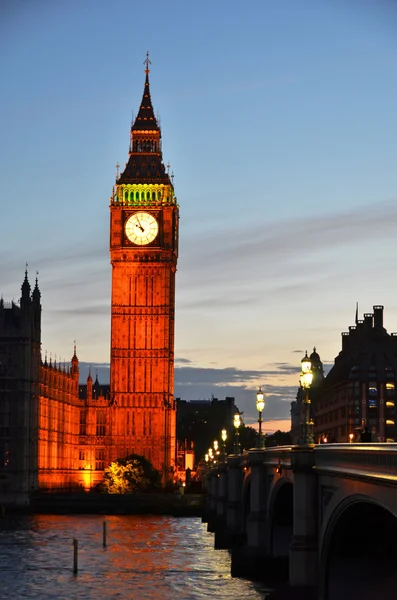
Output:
x=25 y=291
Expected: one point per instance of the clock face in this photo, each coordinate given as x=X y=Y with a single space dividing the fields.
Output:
x=141 y=228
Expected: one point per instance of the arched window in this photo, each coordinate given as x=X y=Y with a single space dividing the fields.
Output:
x=131 y=197
x=137 y=196
x=153 y=195
x=125 y=195
x=147 y=195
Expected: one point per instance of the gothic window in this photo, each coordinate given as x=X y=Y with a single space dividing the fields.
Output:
x=101 y=423
x=147 y=195
x=126 y=195
x=99 y=459
x=83 y=423
x=137 y=196
x=153 y=195
x=131 y=197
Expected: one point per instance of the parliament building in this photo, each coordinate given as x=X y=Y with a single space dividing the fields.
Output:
x=58 y=434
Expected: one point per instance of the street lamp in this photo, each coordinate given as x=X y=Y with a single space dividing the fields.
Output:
x=260 y=405
x=236 y=423
x=351 y=436
x=224 y=436
x=306 y=379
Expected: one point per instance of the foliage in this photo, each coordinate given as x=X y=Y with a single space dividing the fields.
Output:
x=248 y=437
x=131 y=474
x=278 y=438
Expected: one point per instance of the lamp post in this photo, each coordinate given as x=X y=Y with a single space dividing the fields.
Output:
x=224 y=437
x=216 y=451
x=306 y=379
x=351 y=436
x=236 y=423
x=260 y=405
x=211 y=455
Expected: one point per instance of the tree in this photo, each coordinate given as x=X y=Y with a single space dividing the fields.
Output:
x=131 y=474
x=278 y=438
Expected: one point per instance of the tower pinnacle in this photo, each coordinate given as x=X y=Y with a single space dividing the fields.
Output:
x=147 y=62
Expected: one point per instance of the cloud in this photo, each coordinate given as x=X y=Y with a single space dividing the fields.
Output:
x=199 y=383
x=231 y=256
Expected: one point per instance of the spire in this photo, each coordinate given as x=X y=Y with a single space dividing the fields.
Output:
x=25 y=289
x=145 y=118
x=145 y=164
x=356 y=313
x=75 y=364
x=36 y=295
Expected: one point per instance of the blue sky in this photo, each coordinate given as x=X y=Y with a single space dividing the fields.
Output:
x=279 y=121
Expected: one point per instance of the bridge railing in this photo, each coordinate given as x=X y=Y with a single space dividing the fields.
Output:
x=376 y=459
x=272 y=457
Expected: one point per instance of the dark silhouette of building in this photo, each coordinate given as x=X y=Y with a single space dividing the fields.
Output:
x=360 y=389
x=20 y=361
x=201 y=421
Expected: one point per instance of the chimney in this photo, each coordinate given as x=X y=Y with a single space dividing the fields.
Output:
x=368 y=321
x=345 y=340
x=378 y=317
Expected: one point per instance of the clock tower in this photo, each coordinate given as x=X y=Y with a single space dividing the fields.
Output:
x=143 y=254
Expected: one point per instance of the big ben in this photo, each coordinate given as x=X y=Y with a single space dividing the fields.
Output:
x=143 y=254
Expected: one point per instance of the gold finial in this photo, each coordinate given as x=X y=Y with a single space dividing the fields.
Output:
x=117 y=171
x=168 y=168
x=147 y=62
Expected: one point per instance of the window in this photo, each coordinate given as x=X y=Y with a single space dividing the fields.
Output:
x=390 y=390
x=83 y=423
x=372 y=389
x=99 y=459
x=101 y=423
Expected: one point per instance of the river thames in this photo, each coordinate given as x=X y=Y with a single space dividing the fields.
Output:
x=146 y=558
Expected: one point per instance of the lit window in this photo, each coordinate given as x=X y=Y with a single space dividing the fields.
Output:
x=389 y=422
x=372 y=389
x=389 y=403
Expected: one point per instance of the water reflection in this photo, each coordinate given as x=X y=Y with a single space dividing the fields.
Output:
x=147 y=558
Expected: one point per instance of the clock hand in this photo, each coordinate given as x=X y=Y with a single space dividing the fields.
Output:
x=139 y=224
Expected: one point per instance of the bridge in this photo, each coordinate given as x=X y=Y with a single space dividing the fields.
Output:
x=323 y=517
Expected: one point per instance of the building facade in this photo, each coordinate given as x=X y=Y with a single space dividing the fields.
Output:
x=55 y=432
x=360 y=389
x=144 y=222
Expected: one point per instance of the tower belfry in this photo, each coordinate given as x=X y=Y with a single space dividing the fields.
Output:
x=143 y=254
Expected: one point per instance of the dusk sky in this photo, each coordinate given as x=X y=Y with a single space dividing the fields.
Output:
x=279 y=121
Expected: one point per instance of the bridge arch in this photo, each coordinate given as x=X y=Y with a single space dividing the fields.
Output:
x=359 y=553
x=280 y=515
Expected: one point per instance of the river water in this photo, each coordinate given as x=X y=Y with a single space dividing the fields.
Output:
x=146 y=558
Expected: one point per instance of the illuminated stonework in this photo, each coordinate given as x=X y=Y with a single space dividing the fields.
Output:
x=144 y=258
